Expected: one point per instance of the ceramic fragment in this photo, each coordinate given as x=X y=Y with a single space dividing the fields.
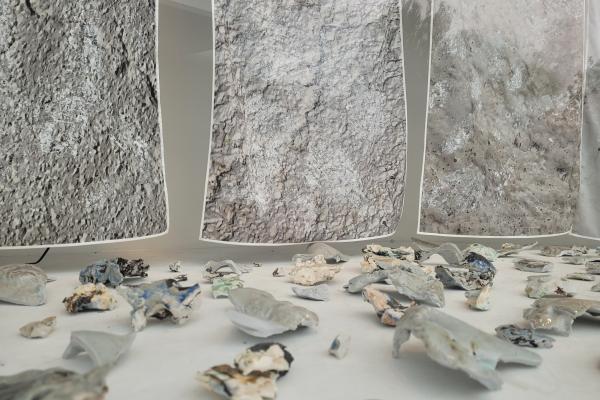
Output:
x=331 y=255
x=259 y=314
x=54 y=384
x=462 y=278
x=573 y=260
x=508 y=249
x=112 y=272
x=593 y=267
x=308 y=260
x=528 y=265
x=388 y=310
x=373 y=262
x=311 y=275
x=552 y=251
x=90 y=297
x=484 y=251
x=175 y=266
x=254 y=375
x=417 y=285
x=102 y=347
x=580 y=276
x=450 y=252
x=596 y=288
x=524 y=337
x=23 y=284
x=318 y=292
x=160 y=299
x=356 y=284
x=539 y=286
x=279 y=272
x=218 y=269
x=222 y=286
x=479 y=299
x=340 y=346
x=38 y=329
x=558 y=314
x=457 y=345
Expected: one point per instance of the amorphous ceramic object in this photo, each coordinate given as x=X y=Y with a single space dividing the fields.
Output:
x=477 y=263
x=552 y=251
x=509 y=249
x=414 y=283
x=580 y=276
x=259 y=314
x=450 y=252
x=311 y=275
x=23 y=284
x=487 y=252
x=524 y=337
x=402 y=253
x=479 y=299
x=340 y=346
x=331 y=255
x=223 y=285
x=574 y=260
x=537 y=266
x=356 y=284
x=318 y=292
x=90 y=297
x=457 y=345
x=372 y=262
x=254 y=375
x=308 y=260
x=161 y=299
x=462 y=278
x=558 y=314
x=175 y=266
x=539 y=286
x=54 y=384
x=388 y=310
x=593 y=267
x=112 y=272
x=102 y=347
x=38 y=329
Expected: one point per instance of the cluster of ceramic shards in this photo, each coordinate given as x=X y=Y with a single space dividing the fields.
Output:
x=258 y=313
x=218 y=269
x=23 y=284
x=114 y=271
x=253 y=375
x=161 y=299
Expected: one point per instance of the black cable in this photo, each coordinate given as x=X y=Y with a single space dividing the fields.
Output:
x=42 y=257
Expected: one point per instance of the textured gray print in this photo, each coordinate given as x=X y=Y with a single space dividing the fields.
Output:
x=503 y=128
x=80 y=140
x=308 y=135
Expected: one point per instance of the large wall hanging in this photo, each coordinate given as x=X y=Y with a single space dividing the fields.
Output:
x=308 y=127
x=80 y=135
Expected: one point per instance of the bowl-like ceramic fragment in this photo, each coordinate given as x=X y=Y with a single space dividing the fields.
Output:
x=416 y=284
x=23 y=284
x=112 y=272
x=308 y=275
x=558 y=314
x=484 y=251
x=102 y=347
x=340 y=346
x=402 y=253
x=225 y=284
x=356 y=284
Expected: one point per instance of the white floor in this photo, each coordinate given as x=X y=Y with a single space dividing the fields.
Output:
x=164 y=358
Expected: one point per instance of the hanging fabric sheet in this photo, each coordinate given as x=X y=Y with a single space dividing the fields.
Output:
x=80 y=137
x=308 y=126
x=504 y=118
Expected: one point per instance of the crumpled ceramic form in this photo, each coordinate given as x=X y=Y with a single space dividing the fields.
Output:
x=102 y=347
x=558 y=314
x=23 y=284
x=539 y=286
x=387 y=309
x=463 y=278
x=537 y=266
x=38 y=329
x=508 y=249
x=484 y=251
x=318 y=292
x=112 y=272
x=416 y=284
x=164 y=299
x=524 y=337
x=259 y=314
x=225 y=284
x=90 y=297
x=330 y=254
x=457 y=345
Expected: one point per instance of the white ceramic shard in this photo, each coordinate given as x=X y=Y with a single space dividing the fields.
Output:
x=580 y=276
x=331 y=255
x=311 y=275
x=259 y=314
x=388 y=309
x=23 y=284
x=38 y=329
x=537 y=266
x=102 y=347
x=90 y=297
x=558 y=314
x=487 y=252
x=54 y=384
x=524 y=337
x=340 y=346
x=161 y=299
x=308 y=260
x=265 y=357
x=574 y=260
x=508 y=249
x=479 y=299
x=457 y=345
x=318 y=292
x=552 y=251
x=414 y=283
x=539 y=286
x=215 y=267
x=356 y=284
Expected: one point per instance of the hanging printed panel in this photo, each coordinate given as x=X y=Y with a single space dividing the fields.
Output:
x=80 y=139
x=504 y=113
x=309 y=128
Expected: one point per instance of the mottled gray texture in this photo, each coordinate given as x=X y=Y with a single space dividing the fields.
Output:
x=503 y=133
x=79 y=122
x=309 y=130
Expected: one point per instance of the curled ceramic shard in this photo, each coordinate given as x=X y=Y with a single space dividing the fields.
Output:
x=580 y=276
x=450 y=252
x=223 y=285
x=356 y=284
x=462 y=278
x=90 y=297
x=539 y=286
x=417 y=285
x=574 y=260
x=552 y=251
x=557 y=315
x=23 y=284
x=103 y=348
x=593 y=267
x=402 y=253
x=175 y=266
x=484 y=251
x=528 y=265
x=340 y=346
x=318 y=292
x=54 y=384
x=388 y=309
x=279 y=272
x=38 y=329
x=161 y=299
x=457 y=345
x=112 y=272
x=312 y=275
x=331 y=255
x=508 y=249
x=524 y=337
x=479 y=299
x=372 y=262
x=272 y=358
x=259 y=314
